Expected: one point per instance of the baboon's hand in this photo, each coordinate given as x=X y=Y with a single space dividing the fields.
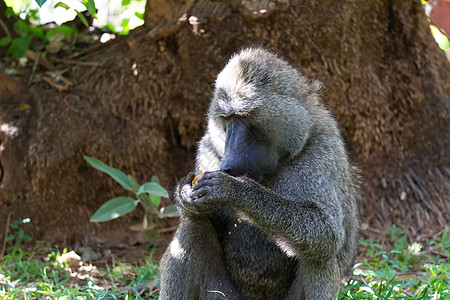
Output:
x=216 y=188
x=184 y=200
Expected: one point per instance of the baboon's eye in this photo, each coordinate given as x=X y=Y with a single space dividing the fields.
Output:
x=223 y=121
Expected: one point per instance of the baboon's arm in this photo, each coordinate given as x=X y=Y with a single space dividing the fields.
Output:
x=305 y=224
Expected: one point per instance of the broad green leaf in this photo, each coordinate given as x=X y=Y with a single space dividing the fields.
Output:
x=10 y=237
x=153 y=188
x=145 y=199
x=90 y=6
x=21 y=28
x=148 y=204
x=134 y=185
x=37 y=31
x=19 y=47
x=169 y=211
x=5 y=41
x=82 y=18
x=15 y=224
x=62 y=4
x=156 y=200
x=114 y=208
x=126 y=2
x=117 y=175
x=40 y=2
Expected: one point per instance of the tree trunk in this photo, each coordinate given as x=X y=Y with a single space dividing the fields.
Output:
x=143 y=109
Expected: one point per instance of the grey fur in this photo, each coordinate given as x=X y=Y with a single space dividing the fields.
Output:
x=290 y=236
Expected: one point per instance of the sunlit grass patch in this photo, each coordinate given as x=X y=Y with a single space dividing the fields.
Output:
x=408 y=271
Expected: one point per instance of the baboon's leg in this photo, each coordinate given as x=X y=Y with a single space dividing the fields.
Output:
x=321 y=281
x=193 y=268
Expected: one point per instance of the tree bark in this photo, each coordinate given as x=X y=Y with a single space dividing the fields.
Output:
x=143 y=109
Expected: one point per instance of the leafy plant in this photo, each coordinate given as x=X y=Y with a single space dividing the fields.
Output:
x=148 y=195
x=36 y=37
x=40 y=274
x=18 y=46
x=89 y=4
x=17 y=234
x=405 y=272
x=50 y=39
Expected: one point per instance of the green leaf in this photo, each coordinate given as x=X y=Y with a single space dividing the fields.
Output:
x=145 y=200
x=21 y=28
x=66 y=30
x=114 y=208
x=380 y=252
x=9 y=12
x=364 y=242
x=37 y=31
x=90 y=6
x=19 y=47
x=62 y=4
x=40 y=2
x=117 y=175
x=169 y=211
x=10 y=237
x=156 y=201
x=5 y=41
x=82 y=18
x=153 y=188
x=126 y=2
x=15 y=224
x=134 y=185
x=125 y=23
x=139 y=15
x=33 y=14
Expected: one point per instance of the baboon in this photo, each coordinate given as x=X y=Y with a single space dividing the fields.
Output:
x=274 y=216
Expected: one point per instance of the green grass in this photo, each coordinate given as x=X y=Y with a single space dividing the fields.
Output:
x=41 y=275
x=401 y=271
x=407 y=271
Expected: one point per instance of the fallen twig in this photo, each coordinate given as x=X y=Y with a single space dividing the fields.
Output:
x=79 y=62
x=33 y=71
x=167 y=229
x=438 y=253
x=42 y=60
x=407 y=293
x=59 y=87
x=366 y=284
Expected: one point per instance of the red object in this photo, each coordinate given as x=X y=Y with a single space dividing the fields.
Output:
x=440 y=15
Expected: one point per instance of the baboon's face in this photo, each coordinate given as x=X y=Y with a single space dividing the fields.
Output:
x=247 y=150
x=255 y=119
